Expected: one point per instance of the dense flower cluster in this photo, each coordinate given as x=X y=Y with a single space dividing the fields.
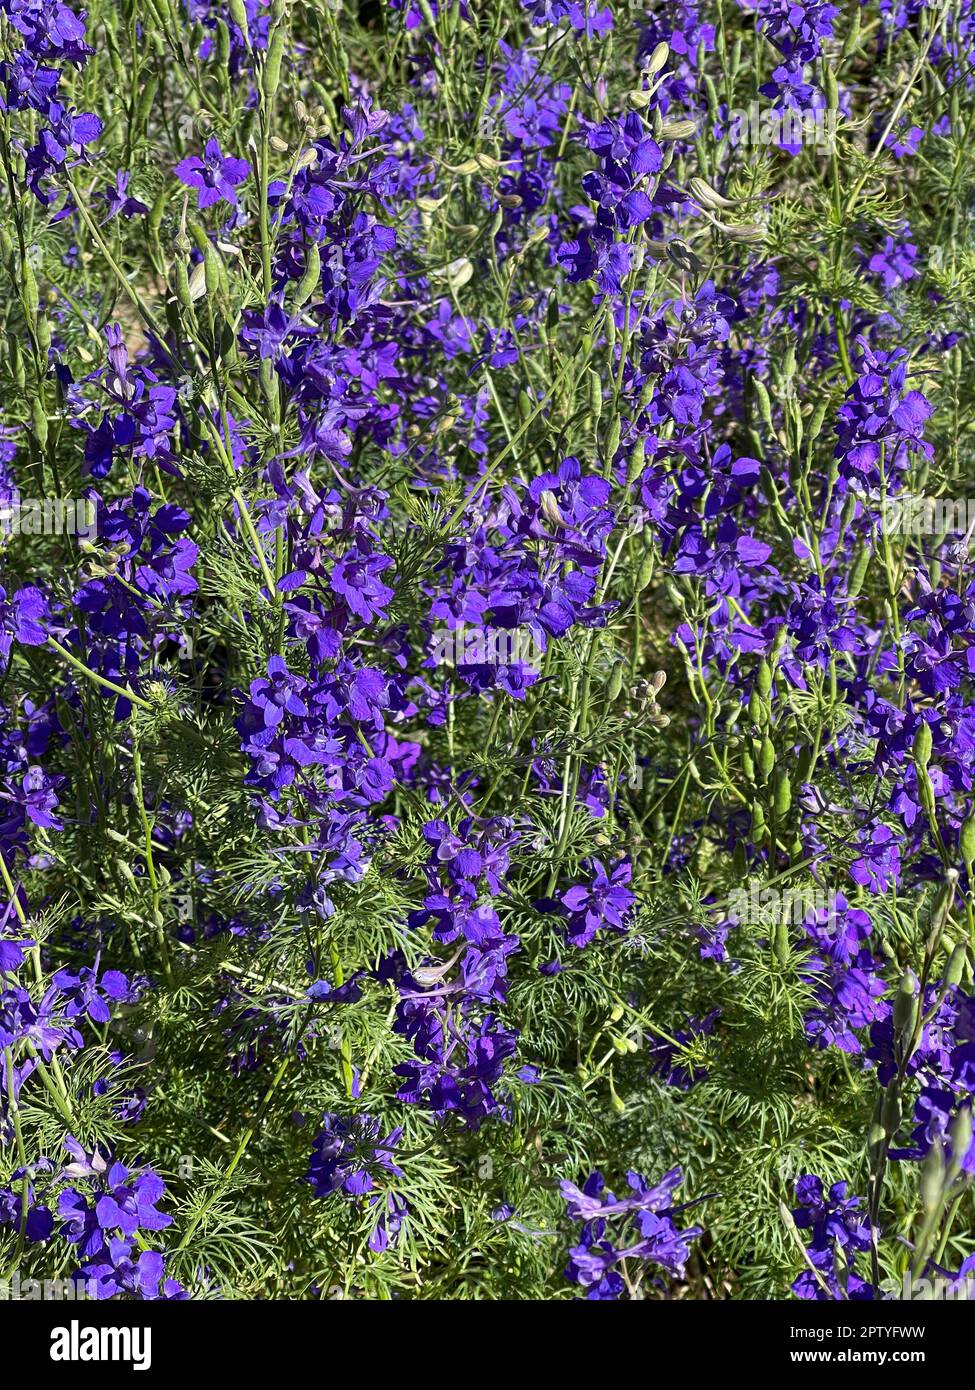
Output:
x=490 y=663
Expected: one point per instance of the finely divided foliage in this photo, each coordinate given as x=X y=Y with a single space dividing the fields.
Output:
x=487 y=767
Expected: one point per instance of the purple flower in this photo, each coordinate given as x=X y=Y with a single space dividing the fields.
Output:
x=216 y=176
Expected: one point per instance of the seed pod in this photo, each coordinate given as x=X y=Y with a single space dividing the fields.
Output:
x=933 y=1178
x=613 y=439
x=783 y=795
x=960 y=1134
x=955 y=969
x=39 y=421
x=763 y=679
x=615 y=683
x=891 y=1114
x=272 y=64
x=223 y=43
x=782 y=950
x=757 y=708
x=238 y=14
x=595 y=396
x=309 y=282
x=213 y=271
x=764 y=401
x=832 y=90
x=876 y=1142
x=859 y=571
x=766 y=758
x=905 y=1008
x=183 y=296
x=644 y=574
x=31 y=296
x=966 y=843
x=17 y=364
x=637 y=459
x=748 y=763
x=852 y=35
x=922 y=744
x=146 y=99
x=758 y=822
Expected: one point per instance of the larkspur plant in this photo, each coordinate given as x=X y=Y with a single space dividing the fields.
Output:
x=486 y=594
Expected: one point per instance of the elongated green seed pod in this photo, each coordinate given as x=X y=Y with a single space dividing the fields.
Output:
x=763 y=679
x=960 y=1133
x=238 y=14
x=783 y=794
x=764 y=401
x=29 y=289
x=183 y=296
x=644 y=574
x=146 y=99
x=905 y=1008
x=39 y=421
x=859 y=572
x=766 y=758
x=933 y=1178
x=311 y=279
x=595 y=396
x=955 y=969
x=613 y=438
x=891 y=1117
x=966 y=842
x=212 y=269
x=615 y=683
x=782 y=949
x=272 y=65
x=922 y=744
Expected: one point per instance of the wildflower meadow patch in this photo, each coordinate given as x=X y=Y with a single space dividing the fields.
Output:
x=487 y=653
